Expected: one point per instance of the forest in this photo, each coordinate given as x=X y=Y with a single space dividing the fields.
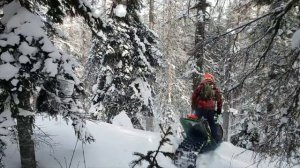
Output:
x=129 y=70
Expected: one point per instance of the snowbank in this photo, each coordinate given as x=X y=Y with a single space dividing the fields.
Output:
x=229 y=156
x=113 y=148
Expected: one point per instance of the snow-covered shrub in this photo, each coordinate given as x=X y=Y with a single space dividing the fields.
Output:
x=246 y=132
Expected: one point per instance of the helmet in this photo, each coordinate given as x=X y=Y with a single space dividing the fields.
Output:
x=208 y=76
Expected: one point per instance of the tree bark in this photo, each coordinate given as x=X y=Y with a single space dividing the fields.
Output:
x=226 y=123
x=227 y=104
x=199 y=38
x=104 y=9
x=26 y=143
x=24 y=127
x=151 y=14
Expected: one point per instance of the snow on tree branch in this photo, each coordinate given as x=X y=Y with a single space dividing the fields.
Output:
x=29 y=60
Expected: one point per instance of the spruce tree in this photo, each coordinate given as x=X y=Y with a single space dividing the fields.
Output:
x=31 y=66
x=269 y=81
x=122 y=66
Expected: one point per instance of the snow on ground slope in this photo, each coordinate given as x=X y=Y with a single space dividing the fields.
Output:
x=229 y=156
x=113 y=148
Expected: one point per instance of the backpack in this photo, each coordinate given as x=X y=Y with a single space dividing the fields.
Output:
x=207 y=92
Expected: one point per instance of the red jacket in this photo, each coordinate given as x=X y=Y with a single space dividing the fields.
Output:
x=207 y=104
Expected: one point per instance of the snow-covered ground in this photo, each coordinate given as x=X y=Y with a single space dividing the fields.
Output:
x=113 y=148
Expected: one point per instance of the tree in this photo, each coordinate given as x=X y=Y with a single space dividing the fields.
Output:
x=121 y=64
x=200 y=6
x=150 y=157
x=172 y=88
x=30 y=62
x=267 y=78
x=151 y=14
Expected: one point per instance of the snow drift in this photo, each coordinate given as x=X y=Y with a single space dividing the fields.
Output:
x=114 y=146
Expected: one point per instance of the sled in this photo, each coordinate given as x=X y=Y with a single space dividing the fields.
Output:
x=198 y=128
x=197 y=140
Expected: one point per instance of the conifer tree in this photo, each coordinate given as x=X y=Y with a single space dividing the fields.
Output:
x=122 y=66
x=268 y=81
x=31 y=66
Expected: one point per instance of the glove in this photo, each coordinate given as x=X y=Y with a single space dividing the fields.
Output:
x=218 y=111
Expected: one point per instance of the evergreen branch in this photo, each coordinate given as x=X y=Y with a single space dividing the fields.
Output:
x=151 y=156
x=279 y=14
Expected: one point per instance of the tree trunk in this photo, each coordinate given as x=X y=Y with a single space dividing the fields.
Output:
x=104 y=9
x=226 y=124
x=26 y=143
x=151 y=14
x=199 y=38
x=24 y=127
x=227 y=103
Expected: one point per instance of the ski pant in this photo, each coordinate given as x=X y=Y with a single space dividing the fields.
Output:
x=209 y=116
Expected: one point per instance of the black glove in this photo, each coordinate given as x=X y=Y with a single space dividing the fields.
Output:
x=218 y=111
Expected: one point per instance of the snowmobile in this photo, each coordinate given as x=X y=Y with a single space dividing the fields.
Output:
x=197 y=139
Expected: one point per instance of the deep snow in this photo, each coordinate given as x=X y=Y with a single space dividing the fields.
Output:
x=113 y=148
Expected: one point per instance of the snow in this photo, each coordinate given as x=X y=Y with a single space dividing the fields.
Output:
x=55 y=55
x=144 y=59
x=120 y=10
x=48 y=47
x=50 y=67
x=95 y=88
x=14 y=82
x=9 y=39
x=200 y=16
x=24 y=59
x=7 y=57
x=122 y=120
x=8 y=71
x=36 y=66
x=96 y=13
x=120 y=64
x=296 y=39
x=95 y=108
x=15 y=98
x=25 y=113
x=284 y=120
x=102 y=35
x=233 y=111
x=6 y=122
x=141 y=90
x=23 y=23
x=10 y=10
x=25 y=49
x=229 y=156
x=113 y=148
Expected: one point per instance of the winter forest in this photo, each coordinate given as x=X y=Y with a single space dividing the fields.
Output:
x=106 y=83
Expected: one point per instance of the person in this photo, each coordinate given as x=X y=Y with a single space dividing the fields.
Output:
x=205 y=98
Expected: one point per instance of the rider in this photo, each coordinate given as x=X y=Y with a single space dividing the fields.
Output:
x=204 y=100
